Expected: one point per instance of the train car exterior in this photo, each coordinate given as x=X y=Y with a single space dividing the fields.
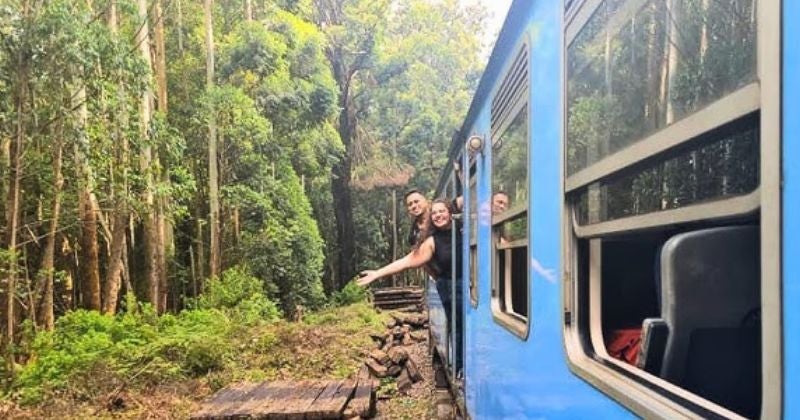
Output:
x=791 y=207
x=630 y=214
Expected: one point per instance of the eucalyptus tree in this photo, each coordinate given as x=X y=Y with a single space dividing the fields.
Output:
x=213 y=175
x=406 y=76
x=63 y=65
x=430 y=65
x=353 y=29
x=281 y=75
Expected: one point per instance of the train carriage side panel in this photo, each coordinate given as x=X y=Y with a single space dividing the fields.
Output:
x=506 y=376
x=791 y=208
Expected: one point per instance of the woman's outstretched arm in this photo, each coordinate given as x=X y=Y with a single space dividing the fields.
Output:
x=414 y=259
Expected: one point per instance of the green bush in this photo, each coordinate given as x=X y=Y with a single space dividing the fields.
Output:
x=137 y=344
x=240 y=295
x=281 y=242
x=81 y=341
x=350 y=293
x=197 y=340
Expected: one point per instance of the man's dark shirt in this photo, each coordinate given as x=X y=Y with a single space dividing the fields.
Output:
x=413 y=234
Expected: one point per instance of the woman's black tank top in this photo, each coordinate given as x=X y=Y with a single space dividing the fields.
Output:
x=444 y=253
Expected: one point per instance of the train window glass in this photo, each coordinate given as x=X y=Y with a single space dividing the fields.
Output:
x=473 y=275
x=473 y=210
x=473 y=234
x=723 y=167
x=636 y=67
x=509 y=209
x=663 y=204
x=508 y=204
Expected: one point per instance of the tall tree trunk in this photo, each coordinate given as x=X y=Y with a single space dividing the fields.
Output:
x=237 y=229
x=341 y=173
x=343 y=204
x=161 y=58
x=248 y=10
x=118 y=248
x=213 y=175
x=90 y=251
x=345 y=65
x=12 y=209
x=164 y=227
x=201 y=248
x=45 y=285
x=89 y=269
x=150 y=217
x=180 y=25
x=115 y=266
x=673 y=38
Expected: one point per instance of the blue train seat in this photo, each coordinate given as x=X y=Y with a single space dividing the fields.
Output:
x=707 y=338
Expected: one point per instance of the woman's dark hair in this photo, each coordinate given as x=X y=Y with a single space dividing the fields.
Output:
x=431 y=228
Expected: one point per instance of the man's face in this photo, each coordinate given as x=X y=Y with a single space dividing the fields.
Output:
x=499 y=203
x=416 y=204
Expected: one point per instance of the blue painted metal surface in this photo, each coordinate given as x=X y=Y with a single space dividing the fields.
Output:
x=791 y=208
x=507 y=377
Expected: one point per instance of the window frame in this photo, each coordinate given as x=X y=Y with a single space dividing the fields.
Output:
x=645 y=394
x=516 y=324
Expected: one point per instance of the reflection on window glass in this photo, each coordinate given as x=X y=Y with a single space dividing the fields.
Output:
x=510 y=198
x=632 y=71
x=510 y=166
x=513 y=230
x=473 y=210
x=473 y=274
x=727 y=165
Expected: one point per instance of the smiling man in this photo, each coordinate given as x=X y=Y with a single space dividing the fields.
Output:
x=417 y=207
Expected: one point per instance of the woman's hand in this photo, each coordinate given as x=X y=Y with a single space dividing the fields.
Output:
x=367 y=277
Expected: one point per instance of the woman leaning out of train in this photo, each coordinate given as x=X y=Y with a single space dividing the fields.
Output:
x=436 y=252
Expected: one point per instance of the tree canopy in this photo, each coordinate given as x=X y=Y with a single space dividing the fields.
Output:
x=149 y=146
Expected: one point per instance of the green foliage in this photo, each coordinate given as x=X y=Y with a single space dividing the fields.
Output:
x=280 y=64
x=409 y=72
x=349 y=294
x=283 y=248
x=195 y=340
x=140 y=344
x=427 y=69
x=238 y=293
x=82 y=341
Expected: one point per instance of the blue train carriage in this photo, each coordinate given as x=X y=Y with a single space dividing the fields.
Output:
x=631 y=214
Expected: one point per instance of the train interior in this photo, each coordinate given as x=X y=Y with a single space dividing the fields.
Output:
x=516 y=286
x=684 y=304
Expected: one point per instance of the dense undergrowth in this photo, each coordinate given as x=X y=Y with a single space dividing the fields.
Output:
x=233 y=333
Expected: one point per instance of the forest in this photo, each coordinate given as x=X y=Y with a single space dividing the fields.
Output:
x=172 y=170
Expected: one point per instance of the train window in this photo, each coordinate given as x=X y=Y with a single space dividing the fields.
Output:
x=509 y=209
x=663 y=171
x=508 y=205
